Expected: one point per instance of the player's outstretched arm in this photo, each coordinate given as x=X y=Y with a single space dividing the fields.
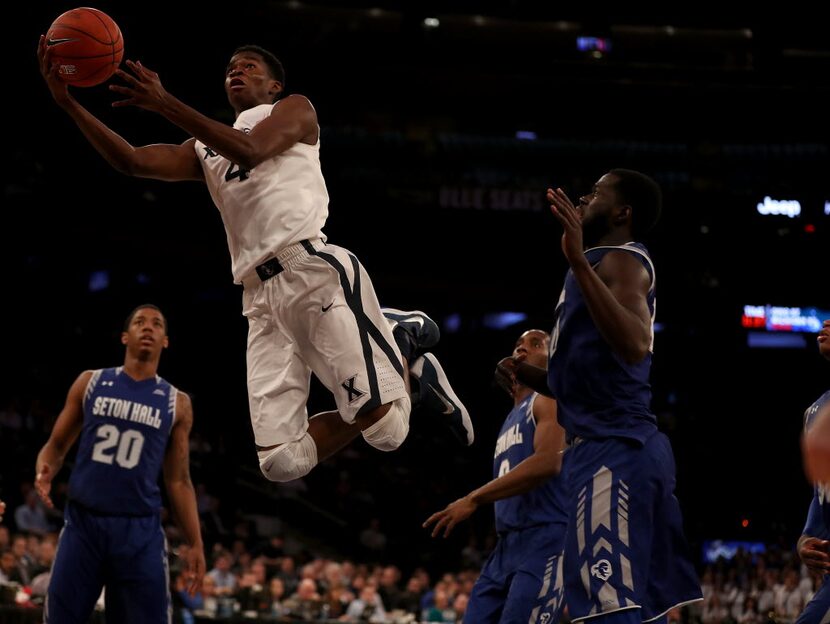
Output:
x=292 y=121
x=546 y=462
x=181 y=492
x=615 y=292
x=168 y=162
x=66 y=430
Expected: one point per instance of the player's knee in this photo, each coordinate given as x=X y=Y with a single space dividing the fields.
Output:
x=389 y=432
x=289 y=461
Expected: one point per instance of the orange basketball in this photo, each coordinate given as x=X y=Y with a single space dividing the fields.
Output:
x=87 y=45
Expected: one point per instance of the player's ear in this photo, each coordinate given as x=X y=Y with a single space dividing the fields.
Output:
x=276 y=88
x=166 y=342
x=623 y=215
x=123 y=338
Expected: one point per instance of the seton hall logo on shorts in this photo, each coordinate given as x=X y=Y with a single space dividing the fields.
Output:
x=354 y=393
x=601 y=569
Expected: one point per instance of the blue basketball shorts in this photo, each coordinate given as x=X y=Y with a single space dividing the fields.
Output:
x=126 y=556
x=521 y=580
x=624 y=547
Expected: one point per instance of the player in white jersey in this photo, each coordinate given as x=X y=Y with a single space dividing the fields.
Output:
x=310 y=305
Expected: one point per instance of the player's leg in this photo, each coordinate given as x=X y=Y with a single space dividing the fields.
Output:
x=487 y=597
x=607 y=540
x=78 y=570
x=672 y=579
x=278 y=385
x=624 y=547
x=535 y=593
x=138 y=590
x=333 y=313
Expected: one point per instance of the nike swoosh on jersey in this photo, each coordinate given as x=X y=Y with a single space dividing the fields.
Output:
x=326 y=308
x=51 y=42
x=450 y=408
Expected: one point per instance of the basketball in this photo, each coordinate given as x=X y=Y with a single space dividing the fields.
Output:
x=87 y=45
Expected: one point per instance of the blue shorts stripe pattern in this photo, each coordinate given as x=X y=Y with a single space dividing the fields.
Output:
x=521 y=582
x=625 y=548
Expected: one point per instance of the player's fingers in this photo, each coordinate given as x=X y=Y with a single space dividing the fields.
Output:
x=568 y=213
x=51 y=69
x=564 y=204
x=128 y=78
x=44 y=496
x=450 y=525
x=121 y=89
x=439 y=526
x=146 y=70
x=559 y=214
x=563 y=197
x=121 y=103
x=431 y=519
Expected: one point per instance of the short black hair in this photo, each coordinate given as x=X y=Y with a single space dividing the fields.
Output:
x=274 y=65
x=145 y=306
x=643 y=194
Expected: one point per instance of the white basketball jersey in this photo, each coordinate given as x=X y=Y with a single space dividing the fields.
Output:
x=281 y=201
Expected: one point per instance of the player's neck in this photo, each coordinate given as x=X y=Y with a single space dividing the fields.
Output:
x=139 y=369
x=613 y=239
x=520 y=394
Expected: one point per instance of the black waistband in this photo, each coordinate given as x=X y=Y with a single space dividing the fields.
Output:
x=272 y=267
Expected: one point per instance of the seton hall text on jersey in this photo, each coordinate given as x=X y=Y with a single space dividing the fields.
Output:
x=127 y=410
x=507 y=439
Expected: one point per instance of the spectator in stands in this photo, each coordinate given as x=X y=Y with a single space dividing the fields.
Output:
x=24 y=561
x=8 y=568
x=31 y=515
x=388 y=588
x=221 y=573
x=410 y=599
x=305 y=603
x=276 y=593
x=368 y=607
x=441 y=611
x=210 y=598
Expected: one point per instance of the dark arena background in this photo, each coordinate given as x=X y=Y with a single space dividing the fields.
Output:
x=442 y=125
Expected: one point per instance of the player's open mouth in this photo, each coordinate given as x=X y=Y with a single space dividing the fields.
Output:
x=237 y=83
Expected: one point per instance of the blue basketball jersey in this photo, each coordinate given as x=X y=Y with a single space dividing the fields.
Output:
x=818 y=517
x=123 y=440
x=544 y=504
x=598 y=394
